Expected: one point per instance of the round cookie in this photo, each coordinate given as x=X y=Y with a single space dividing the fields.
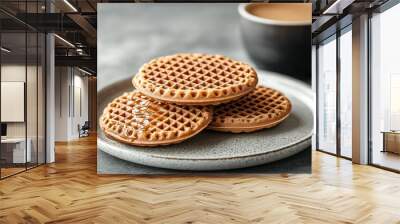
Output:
x=262 y=108
x=136 y=119
x=195 y=79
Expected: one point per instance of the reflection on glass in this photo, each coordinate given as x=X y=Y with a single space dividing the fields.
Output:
x=346 y=94
x=385 y=84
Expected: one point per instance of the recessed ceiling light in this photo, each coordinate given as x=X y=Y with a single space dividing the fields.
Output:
x=5 y=49
x=84 y=71
x=337 y=7
x=70 y=5
x=64 y=40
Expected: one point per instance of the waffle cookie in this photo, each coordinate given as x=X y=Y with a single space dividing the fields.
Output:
x=262 y=108
x=195 y=79
x=136 y=119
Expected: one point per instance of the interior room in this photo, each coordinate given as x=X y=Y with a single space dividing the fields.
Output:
x=48 y=92
x=334 y=83
x=48 y=150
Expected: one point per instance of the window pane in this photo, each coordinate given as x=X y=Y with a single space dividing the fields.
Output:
x=346 y=94
x=327 y=97
x=385 y=86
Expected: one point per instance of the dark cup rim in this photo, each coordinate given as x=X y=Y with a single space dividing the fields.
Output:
x=242 y=8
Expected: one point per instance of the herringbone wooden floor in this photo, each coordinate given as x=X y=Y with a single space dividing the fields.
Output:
x=70 y=191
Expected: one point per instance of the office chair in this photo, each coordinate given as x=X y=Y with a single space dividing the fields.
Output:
x=84 y=130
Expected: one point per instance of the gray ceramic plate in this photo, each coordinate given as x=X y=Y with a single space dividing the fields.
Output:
x=220 y=151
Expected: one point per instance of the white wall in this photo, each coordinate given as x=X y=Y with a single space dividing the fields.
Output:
x=61 y=103
x=12 y=73
x=70 y=83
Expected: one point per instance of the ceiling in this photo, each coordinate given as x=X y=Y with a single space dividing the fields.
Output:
x=330 y=16
x=74 y=22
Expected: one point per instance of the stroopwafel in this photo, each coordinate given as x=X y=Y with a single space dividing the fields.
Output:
x=136 y=119
x=195 y=79
x=262 y=108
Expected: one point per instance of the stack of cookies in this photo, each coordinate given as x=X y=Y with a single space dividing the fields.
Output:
x=180 y=95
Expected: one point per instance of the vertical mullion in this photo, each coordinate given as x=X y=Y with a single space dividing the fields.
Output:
x=45 y=89
x=60 y=88
x=73 y=92
x=45 y=95
x=37 y=90
x=26 y=86
x=338 y=98
x=317 y=96
x=80 y=102
x=69 y=92
x=369 y=78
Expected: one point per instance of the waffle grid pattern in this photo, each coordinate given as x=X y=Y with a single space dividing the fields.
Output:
x=263 y=105
x=134 y=117
x=195 y=77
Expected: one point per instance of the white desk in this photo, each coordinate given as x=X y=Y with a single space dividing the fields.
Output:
x=19 y=149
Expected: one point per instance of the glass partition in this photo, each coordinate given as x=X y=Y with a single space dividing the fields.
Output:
x=14 y=145
x=23 y=89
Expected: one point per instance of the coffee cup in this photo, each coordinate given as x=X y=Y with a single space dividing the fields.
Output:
x=277 y=37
